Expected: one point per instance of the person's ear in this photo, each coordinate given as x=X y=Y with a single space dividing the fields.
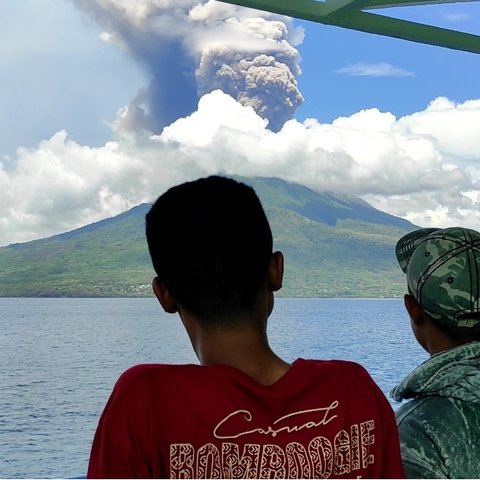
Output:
x=414 y=309
x=275 y=271
x=163 y=295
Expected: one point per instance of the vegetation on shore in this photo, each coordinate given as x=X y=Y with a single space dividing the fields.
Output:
x=334 y=246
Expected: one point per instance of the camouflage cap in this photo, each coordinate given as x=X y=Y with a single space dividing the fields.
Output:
x=443 y=273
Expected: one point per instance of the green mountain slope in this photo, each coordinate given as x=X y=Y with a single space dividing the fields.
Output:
x=334 y=245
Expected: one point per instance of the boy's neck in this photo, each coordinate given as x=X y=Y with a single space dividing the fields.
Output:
x=436 y=340
x=245 y=349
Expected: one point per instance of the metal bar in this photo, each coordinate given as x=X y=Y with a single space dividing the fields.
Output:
x=333 y=6
x=304 y=9
x=372 y=4
x=406 y=30
x=341 y=13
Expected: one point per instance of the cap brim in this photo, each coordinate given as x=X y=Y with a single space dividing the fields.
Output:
x=408 y=243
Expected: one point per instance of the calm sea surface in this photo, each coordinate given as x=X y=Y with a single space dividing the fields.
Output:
x=59 y=360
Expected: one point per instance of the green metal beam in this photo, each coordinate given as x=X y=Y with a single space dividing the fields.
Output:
x=349 y=14
x=304 y=9
x=406 y=30
x=373 y=4
x=333 y=6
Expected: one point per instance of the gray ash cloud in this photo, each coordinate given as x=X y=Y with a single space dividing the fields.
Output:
x=190 y=48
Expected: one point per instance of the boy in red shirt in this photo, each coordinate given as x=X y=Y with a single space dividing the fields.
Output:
x=243 y=412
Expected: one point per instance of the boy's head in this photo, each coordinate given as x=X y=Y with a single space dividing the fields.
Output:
x=211 y=245
x=443 y=275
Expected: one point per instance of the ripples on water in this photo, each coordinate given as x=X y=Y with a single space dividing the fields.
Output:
x=61 y=357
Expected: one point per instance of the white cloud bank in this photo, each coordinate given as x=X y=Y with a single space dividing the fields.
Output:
x=458 y=17
x=424 y=166
x=374 y=70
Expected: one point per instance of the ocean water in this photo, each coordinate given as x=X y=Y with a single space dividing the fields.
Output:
x=59 y=360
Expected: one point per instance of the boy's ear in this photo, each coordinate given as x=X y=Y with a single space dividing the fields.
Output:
x=163 y=295
x=275 y=271
x=414 y=309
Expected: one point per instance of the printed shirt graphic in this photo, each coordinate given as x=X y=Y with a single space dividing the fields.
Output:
x=322 y=419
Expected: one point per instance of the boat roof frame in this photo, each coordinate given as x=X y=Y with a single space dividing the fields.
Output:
x=354 y=15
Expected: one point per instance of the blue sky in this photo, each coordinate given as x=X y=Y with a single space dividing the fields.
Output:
x=56 y=73
x=64 y=84
x=419 y=74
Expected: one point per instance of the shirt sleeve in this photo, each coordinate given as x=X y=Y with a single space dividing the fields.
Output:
x=390 y=459
x=392 y=465
x=120 y=447
x=416 y=467
x=420 y=454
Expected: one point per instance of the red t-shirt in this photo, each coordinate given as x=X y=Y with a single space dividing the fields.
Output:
x=321 y=419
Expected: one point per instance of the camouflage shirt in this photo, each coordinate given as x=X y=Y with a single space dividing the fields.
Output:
x=440 y=428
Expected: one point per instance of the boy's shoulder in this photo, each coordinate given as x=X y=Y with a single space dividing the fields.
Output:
x=147 y=372
x=334 y=364
x=339 y=367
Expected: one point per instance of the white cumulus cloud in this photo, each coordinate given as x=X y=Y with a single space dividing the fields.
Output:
x=458 y=17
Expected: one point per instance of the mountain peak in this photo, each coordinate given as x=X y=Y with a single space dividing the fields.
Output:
x=324 y=207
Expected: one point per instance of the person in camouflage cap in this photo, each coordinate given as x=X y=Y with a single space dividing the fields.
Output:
x=440 y=427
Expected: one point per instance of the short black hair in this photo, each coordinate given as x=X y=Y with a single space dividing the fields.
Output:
x=460 y=335
x=210 y=244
